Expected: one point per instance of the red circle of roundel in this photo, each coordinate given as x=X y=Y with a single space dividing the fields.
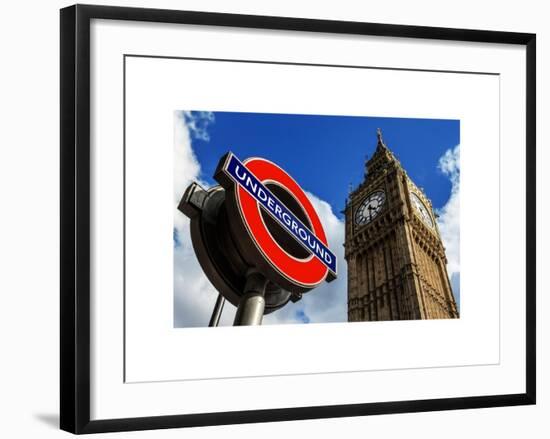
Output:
x=305 y=272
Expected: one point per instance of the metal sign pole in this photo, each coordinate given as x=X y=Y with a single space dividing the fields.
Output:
x=252 y=304
x=217 y=312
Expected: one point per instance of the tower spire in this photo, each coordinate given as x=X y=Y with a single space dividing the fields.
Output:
x=382 y=155
x=380 y=143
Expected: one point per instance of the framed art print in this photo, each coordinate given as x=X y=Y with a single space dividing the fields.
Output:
x=274 y=218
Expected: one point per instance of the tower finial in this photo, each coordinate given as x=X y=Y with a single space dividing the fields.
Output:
x=380 y=145
x=380 y=139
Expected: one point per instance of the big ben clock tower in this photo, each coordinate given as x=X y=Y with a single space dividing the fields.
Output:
x=396 y=260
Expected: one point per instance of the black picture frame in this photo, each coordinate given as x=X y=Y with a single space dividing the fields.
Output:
x=75 y=217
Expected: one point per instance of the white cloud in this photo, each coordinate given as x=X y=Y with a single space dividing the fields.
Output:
x=449 y=216
x=194 y=295
x=197 y=123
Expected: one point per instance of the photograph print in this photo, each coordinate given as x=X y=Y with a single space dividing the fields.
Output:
x=291 y=218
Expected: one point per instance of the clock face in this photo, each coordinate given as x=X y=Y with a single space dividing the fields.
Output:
x=421 y=210
x=370 y=208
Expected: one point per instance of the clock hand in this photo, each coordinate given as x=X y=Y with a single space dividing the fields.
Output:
x=370 y=211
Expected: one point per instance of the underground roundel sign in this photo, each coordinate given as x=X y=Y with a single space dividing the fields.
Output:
x=275 y=225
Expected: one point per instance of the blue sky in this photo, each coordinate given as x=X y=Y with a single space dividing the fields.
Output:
x=326 y=153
